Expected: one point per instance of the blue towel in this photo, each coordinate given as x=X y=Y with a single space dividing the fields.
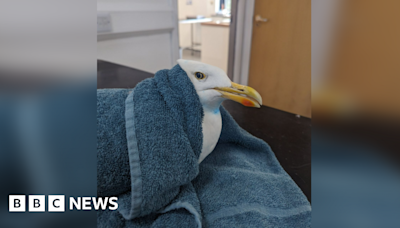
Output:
x=150 y=141
x=241 y=184
x=113 y=171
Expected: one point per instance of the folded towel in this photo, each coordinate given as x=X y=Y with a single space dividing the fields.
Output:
x=113 y=171
x=163 y=142
x=240 y=184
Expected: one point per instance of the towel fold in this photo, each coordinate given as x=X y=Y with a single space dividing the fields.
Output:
x=241 y=184
x=113 y=171
x=162 y=143
x=149 y=142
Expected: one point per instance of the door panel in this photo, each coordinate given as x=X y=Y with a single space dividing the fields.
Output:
x=280 y=62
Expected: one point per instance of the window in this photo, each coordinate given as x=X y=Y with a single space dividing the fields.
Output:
x=223 y=7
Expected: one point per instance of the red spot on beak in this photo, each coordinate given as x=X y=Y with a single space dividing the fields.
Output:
x=247 y=103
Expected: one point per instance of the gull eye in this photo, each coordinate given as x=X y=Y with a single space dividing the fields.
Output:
x=200 y=75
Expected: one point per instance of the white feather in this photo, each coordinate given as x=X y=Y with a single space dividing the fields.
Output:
x=210 y=100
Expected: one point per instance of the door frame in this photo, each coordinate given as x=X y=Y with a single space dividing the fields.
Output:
x=240 y=35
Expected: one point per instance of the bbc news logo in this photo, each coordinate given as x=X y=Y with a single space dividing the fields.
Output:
x=56 y=203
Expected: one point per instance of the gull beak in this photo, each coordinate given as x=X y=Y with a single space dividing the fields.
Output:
x=245 y=95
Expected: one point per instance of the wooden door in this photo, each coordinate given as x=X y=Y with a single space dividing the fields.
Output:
x=280 y=62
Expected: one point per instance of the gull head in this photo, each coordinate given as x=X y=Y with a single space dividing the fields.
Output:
x=213 y=86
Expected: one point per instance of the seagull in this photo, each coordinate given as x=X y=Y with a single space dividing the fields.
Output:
x=213 y=87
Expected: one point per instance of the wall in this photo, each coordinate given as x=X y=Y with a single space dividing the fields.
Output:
x=215 y=45
x=198 y=7
x=144 y=34
x=322 y=22
x=62 y=45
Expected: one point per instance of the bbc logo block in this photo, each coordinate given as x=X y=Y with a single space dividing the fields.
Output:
x=36 y=203
x=16 y=203
x=56 y=203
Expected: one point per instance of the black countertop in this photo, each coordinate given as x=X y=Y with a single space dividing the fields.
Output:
x=289 y=136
